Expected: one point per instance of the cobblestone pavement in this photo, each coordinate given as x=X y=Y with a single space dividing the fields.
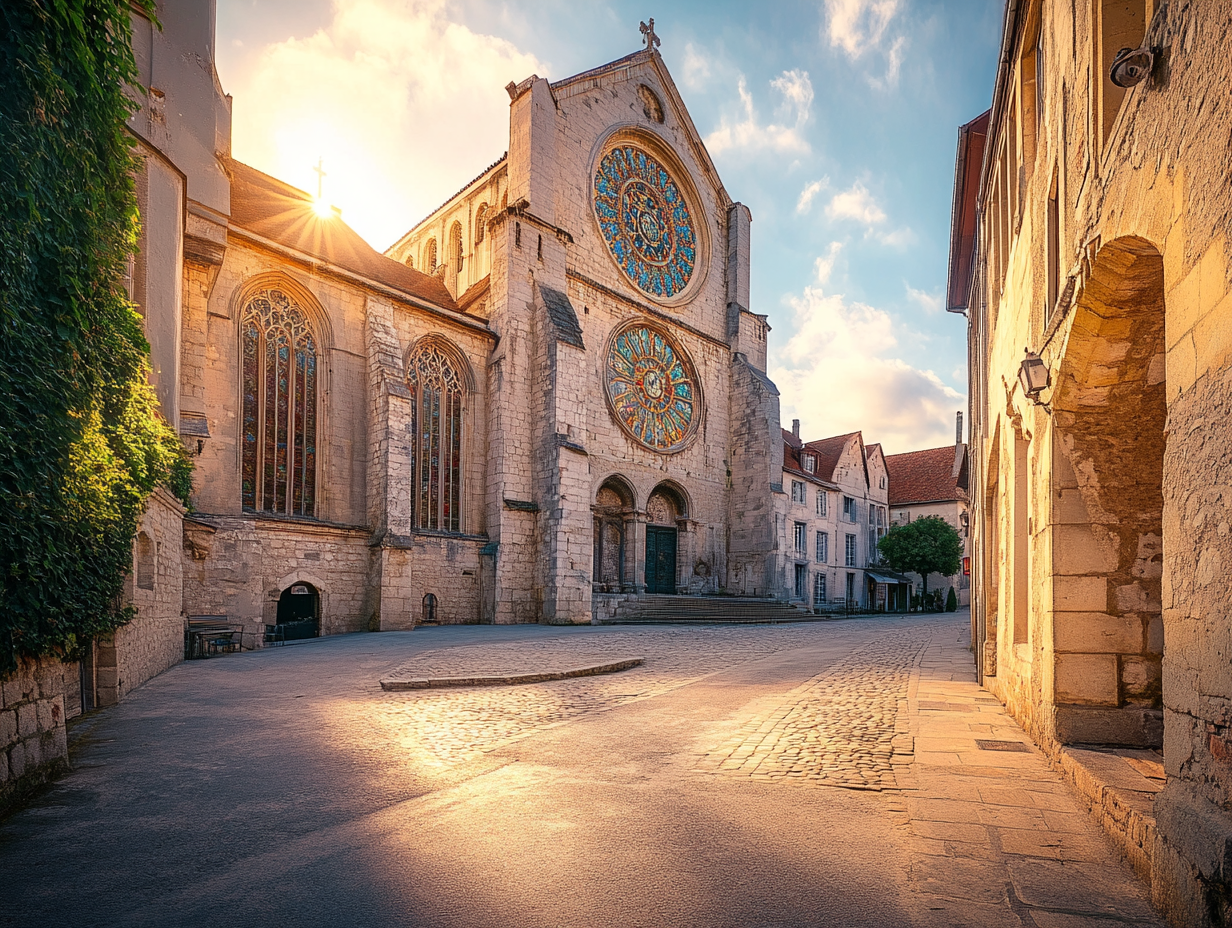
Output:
x=846 y=727
x=455 y=726
x=825 y=775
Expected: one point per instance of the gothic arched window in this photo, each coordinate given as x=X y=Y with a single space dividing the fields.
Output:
x=455 y=247
x=429 y=261
x=438 y=391
x=279 y=356
x=481 y=221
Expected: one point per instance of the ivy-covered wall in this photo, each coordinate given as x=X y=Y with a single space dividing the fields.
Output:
x=81 y=442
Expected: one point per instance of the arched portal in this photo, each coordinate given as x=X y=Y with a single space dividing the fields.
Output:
x=299 y=612
x=613 y=511
x=1110 y=411
x=665 y=508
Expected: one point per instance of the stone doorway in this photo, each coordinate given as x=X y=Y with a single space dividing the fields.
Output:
x=660 y=559
x=299 y=612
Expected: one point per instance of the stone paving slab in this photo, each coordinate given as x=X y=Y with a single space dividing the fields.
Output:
x=409 y=679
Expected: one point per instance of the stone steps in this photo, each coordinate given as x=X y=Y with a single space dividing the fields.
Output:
x=707 y=610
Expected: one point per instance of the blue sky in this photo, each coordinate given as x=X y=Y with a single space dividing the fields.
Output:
x=835 y=121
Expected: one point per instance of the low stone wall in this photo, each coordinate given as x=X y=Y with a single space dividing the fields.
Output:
x=33 y=737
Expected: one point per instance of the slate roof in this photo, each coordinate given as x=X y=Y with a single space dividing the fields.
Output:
x=284 y=214
x=931 y=476
x=563 y=316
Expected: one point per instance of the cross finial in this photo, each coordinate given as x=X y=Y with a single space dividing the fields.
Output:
x=320 y=169
x=648 y=35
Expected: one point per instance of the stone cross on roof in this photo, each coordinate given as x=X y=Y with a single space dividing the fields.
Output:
x=648 y=35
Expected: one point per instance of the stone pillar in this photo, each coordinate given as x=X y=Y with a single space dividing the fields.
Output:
x=637 y=536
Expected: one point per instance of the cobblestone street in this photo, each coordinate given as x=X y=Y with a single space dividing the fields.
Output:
x=827 y=774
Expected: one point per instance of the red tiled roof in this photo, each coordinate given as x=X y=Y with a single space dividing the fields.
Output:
x=927 y=476
x=792 y=461
x=284 y=214
x=830 y=451
x=791 y=439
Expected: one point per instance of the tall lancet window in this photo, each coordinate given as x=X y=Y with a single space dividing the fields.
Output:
x=438 y=389
x=279 y=436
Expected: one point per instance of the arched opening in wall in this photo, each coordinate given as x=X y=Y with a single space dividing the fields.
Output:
x=453 y=274
x=299 y=612
x=1110 y=411
x=613 y=509
x=481 y=222
x=665 y=507
x=427 y=614
x=429 y=257
x=145 y=562
x=410 y=261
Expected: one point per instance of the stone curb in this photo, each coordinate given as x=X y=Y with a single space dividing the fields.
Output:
x=508 y=679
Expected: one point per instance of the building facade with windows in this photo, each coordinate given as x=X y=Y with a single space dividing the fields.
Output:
x=832 y=511
x=933 y=482
x=1091 y=220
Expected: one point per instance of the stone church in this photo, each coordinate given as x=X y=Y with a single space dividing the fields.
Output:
x=547 y=398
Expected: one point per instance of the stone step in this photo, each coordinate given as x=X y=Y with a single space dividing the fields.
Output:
x=698 y=610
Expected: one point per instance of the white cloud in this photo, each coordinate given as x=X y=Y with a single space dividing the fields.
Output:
x=797 y=91
x=929 y=302
x=748 y=133
x=696 y=67
x=403 y=103
x=858 y=25
x=861 y=28
x=805 y=203
x=824 y=264
x=842 y=370
x=858 y=204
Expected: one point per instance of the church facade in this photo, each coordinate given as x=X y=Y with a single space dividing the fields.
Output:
x=547 y=398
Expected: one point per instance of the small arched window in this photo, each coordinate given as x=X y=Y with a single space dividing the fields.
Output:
x=429 y=261
x=481 y=222
x=455 y=247
x=410 y=262
x=279 y=430
x=438 y=391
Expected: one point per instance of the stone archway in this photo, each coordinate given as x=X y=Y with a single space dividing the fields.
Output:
x=614 y=510
x=667 y=512
x=1109 y=413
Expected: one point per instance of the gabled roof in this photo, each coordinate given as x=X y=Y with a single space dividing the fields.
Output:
x=674 y=101
x=935 y=475
x=286 y=215
x=963 y=216
x=830 y=452
x=793 y=462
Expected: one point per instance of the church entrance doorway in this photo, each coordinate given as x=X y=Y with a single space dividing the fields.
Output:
x=299 y=612
x=665 y=508
x=660 y=559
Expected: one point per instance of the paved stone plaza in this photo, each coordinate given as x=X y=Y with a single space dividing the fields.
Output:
x=820 y=774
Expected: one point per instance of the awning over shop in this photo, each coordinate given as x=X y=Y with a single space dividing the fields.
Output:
x=887 y=576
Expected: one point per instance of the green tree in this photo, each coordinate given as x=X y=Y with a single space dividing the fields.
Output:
x=926 y=546
x=951 y=601
x=81 y=442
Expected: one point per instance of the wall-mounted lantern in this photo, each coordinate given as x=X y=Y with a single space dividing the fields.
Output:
x=1034 y=377
x=1131 y=66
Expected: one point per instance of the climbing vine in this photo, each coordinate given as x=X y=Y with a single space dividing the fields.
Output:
x=81 y=441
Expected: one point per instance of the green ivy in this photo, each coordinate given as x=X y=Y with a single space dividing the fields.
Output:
x=81 y=441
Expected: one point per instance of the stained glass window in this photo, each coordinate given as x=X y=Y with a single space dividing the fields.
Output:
x=651 y=388
x=645 y=220
x=279 y=428
x=436 y=423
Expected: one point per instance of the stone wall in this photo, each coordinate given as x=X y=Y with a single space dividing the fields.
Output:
x=1105 y=586
x=33 y=737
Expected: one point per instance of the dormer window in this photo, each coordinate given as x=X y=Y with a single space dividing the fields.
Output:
x=810 y=463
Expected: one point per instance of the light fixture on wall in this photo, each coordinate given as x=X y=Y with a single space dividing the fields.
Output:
x=1034 y=378
x=1131 y=66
